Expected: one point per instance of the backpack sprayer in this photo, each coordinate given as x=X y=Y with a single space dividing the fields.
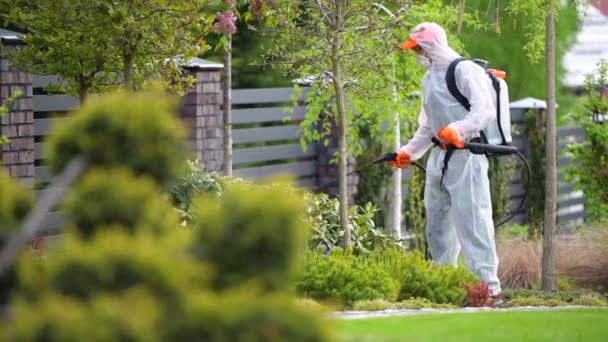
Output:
x=471 y=146
x=495 y=138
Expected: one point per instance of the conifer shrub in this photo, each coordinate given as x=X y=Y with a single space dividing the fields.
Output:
x=116 y=198
x=251 y=233
x=113 y=262
x=15 y=203
x=242 y=315
x=139 y=131
x=343 y=278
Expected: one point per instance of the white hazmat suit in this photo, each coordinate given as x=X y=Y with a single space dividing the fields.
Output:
x=458 y=204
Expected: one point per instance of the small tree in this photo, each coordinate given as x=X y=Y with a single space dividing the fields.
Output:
x=348 y=47
x=97 y=45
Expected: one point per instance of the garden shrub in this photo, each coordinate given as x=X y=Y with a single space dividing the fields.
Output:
x=134 y=315
x=590 y=300
x=113 y=262
x=344 y=278
x=251 y=233
x=244 y=316
x=193 y=182
x=139 y=131
x=417 y=278
x=535 y=301
x=565 y=296
x=422 y=303
x=15 y=203
x=324 y=217
x=589 y=165
x=116 y=198
x=373 y=305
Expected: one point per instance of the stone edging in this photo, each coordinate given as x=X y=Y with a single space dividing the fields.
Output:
x=406 y=312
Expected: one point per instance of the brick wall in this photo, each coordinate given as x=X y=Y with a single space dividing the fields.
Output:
x=17 y=156
x=202 y=114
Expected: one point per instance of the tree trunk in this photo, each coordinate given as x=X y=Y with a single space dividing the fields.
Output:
x=227 y=103
x=128 y=71
x=342 y=163
x=394 y=219
x=550 y=224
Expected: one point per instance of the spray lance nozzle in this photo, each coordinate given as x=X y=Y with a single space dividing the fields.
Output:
x=389 y=156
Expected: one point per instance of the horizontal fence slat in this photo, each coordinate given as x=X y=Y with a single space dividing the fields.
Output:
x=267 y=153
x=570 y=130
x=561 y=204
x=55 y=103
x=298 y=169
x=43 y=174
x=45 y=126
x=263 y=95
x=578 y=215
x=266 y=114
x=39 y=151
x=40 y=81
x=261 y=134
x=308 y=182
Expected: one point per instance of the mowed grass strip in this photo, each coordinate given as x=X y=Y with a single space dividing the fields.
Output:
x=556 y=325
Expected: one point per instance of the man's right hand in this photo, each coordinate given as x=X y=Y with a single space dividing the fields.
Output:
x=402 y=160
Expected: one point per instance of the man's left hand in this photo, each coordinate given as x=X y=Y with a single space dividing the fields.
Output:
x=450 y=136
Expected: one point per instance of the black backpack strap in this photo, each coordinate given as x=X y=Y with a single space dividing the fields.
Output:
x=496 y=86
x=450 y=80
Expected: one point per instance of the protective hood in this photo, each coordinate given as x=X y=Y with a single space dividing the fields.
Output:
x=432 y=38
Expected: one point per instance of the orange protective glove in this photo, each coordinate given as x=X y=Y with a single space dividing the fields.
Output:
x=402 y=160
x=449 y=135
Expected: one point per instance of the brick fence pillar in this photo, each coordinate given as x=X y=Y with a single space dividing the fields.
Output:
x=201 y=112
x=17 y=156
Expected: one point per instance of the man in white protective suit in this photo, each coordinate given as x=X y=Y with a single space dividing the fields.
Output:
x=457 y=192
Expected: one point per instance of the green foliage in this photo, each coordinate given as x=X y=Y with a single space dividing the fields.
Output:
x=131 y=316
x=514 y=231
x=566 y=296
x=422 y=303
x=194 y=182
x=535 y=301
x=245 y=316
x=415 y=215
x=104 y=199
x=590 y=158
x=590 y=300
x=324 y=216
x=534 y=130
x=4 y=109
x=251 y=233
x=511 y=24
x=113 y=262
x=15 y=203
x=417 y=278
x=94 y=46
x=373 y=305
x=500 y=173
x=135 y=130
x=344 y=278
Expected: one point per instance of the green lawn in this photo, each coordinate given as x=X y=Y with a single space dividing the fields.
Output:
x=559 y=325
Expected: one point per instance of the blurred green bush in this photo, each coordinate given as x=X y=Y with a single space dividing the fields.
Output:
x=390 y=274
x=139 y=131
x=252 y=233
x=15 y=203
x=115 y=197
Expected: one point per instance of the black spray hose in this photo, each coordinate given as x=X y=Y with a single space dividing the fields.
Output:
x=503 y=150
x=385 y=157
